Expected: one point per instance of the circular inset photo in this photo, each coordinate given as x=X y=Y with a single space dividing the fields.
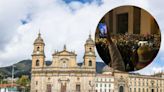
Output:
x=127 y=38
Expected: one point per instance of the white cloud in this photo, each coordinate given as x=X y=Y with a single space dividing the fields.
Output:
x=157 y=69
x=10 y=14
x=59 y=25
x=76 y=5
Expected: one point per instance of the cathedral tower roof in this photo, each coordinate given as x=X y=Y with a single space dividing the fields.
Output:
x=39 y=39
x=89 y=40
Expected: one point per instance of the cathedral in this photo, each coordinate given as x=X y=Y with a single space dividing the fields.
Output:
x=64 y=74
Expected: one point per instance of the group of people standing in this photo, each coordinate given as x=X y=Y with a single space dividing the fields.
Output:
x=128 y=52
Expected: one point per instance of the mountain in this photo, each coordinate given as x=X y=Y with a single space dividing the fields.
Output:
x=24 y=68
x=21 y=68
x=100 y=66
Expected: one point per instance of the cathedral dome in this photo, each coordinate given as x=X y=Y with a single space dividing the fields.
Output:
x=39 y=40
x=89 y=40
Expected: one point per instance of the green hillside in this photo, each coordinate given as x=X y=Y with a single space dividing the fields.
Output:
x=24 y=68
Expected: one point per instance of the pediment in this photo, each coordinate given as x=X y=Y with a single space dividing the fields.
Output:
x=65 y=53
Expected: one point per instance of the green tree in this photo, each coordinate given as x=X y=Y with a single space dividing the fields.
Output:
x=24 y=83
x=2 y=77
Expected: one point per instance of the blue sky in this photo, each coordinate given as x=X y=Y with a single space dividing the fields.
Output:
x=61 y=22
x=83 y=1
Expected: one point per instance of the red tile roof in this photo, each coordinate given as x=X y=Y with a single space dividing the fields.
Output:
x=7 y=85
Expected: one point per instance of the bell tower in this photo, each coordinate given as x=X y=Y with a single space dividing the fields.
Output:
x=89 y=55
x=38 y=56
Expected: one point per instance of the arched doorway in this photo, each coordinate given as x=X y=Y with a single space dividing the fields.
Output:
x=63 y=87
x=152 y=90
x=121 y=89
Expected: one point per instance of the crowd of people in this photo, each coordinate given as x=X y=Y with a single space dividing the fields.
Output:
x=153 y=41
x=137 y=50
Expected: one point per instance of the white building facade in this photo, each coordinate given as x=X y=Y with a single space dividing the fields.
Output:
x=104 y=83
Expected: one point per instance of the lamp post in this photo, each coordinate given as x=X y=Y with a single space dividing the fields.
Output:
x=12 y=75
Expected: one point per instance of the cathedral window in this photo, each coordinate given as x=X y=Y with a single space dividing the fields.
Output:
x=90 y=49
x=36 y=82
x=49 y=87
x=64 y=64
x=37 y=62
x=90 y=63
x=38 y=48
x=78 y=78
x=121 y=89
x=152 y=83
x=77 y=87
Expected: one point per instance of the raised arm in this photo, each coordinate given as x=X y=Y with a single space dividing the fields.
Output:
x=116 y=58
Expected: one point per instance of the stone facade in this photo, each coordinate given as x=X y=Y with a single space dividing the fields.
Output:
x=127 y=82
x=64 y=74
x=140 y=83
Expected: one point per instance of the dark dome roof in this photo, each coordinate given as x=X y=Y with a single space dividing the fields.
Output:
x=39 y=40
x=89 y=40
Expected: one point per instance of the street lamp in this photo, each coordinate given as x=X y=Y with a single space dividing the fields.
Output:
x=12 y=74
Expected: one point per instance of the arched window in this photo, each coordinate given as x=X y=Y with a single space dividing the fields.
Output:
x=152 y=90
x=37 y=62
x=90 y=49
x=38 y=48
x=121 y=89
x=90 y=63
x=64 y=64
